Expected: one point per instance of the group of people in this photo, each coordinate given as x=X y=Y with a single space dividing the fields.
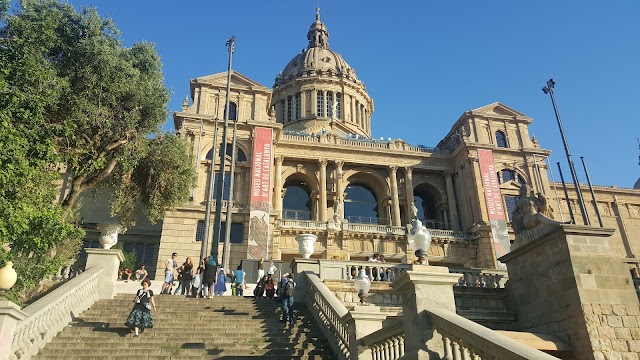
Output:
x=206 y=280
x=375 y=258
x=126 y=273
x=479 y=282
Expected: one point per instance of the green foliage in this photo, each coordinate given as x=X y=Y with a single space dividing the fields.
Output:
x=73 y=98
x=130 y=258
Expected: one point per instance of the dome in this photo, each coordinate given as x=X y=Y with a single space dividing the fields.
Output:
x=317 y=59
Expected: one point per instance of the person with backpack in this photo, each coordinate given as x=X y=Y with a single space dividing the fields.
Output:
x=239 y=281
x=286 y=289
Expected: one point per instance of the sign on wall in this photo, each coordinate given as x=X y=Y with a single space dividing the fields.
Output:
x=260 y=193
x=493 y=197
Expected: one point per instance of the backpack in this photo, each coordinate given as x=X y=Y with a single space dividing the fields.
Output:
x=288 y=288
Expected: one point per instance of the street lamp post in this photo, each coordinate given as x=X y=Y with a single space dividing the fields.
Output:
x=549 y=90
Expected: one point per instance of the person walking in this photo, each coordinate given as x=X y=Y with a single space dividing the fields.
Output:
x=140 y=317
x=209 y=277
x=169 y=266
x=239 y=281
x=187 y=274
x=221 y=283
x=286 y=290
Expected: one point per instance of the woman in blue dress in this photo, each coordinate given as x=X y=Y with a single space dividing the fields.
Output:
x=140 y=317
x=221 y=283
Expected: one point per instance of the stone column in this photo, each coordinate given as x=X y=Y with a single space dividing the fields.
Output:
x=338 y=179
x=278 y=184
x=110 y=260
x=393 y=171
x=324 y=111
x=451 y=196
x=362 y=321
x=571 y=283
x=10 y=316
x=424 y=287
x=323 y=191
x=408 y=182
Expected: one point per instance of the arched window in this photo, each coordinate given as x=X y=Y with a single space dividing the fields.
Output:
x=320 y=106
x=508 y=175
x=521 y=180
x=233 y=110
x=241 y=156
x=425 y=202
x=297 y=201
x=501 y=139
x=360 y=204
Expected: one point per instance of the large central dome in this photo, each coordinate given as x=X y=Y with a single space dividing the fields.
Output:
x=318 y=89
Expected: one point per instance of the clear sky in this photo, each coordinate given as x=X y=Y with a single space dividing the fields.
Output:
x=425 y=62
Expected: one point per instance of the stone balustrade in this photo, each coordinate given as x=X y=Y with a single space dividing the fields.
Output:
x=464 y=339
x=328 y=312
x=361 y=143
x=374 y=228
x=386 y=343
x=51 y=313
x=491 y=278
x=302 y=224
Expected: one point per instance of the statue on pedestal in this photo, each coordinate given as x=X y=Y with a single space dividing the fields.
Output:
x=527 y=219
x=337 y=211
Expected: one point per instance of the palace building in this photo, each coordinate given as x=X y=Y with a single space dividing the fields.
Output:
x=306 y=163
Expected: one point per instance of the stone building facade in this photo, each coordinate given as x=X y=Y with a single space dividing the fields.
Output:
x=329 y=177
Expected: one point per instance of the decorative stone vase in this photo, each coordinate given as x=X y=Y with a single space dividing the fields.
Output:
x=8 y=277
x=108 y=234
x=306 y=242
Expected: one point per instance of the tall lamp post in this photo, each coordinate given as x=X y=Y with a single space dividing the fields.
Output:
x=223 y=153
x=549 y=90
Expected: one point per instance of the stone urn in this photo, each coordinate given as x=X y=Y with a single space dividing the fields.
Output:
x=306 y=242
x=108 y=234
x=8 y=277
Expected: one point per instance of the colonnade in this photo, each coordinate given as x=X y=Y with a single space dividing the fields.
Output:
x=449 y=211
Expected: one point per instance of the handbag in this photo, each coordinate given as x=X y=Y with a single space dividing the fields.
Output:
x=148 y=306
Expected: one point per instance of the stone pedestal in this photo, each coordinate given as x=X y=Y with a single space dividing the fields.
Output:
x=569 y=283
x=362 y=320
x=298 y=265
x=110 y=260
x=10 y=315
x=424 y=287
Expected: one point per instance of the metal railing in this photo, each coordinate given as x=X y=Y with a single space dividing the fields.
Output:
x=367 y=220
x=298 y=215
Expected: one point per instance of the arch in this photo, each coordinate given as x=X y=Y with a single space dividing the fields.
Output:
x=297 y=203
x=360 y=203
x=501 y=139
x=241 y=156
x=506 y=175
x=429 y=200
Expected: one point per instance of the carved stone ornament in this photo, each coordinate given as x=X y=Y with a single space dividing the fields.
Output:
x=528 y=220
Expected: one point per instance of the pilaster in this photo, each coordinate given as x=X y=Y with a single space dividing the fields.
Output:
x=278 y=184
x=323 y=190
x=362 y=321
x=451 y=197
x=408 y=182
x=395 y=219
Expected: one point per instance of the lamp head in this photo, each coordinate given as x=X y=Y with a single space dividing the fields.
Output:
x=362 y=285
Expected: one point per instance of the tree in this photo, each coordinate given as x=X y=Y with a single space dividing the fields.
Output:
x=73 y=98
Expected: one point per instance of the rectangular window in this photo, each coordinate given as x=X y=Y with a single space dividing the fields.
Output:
x=288 y=108
x=298 y=105
x=338 y=108
x=225 y=189
x=282 y=111
x=200 y=230
x=329 y=104
x=511 y=203
x=237 y=232
x=320 y=101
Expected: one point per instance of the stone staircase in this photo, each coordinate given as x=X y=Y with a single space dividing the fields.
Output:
x=185 y=328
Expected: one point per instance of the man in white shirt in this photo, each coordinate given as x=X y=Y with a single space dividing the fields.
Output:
x=169 y=267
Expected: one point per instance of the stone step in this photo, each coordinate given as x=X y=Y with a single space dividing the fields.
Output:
x=144 y=341
x=171 y=353
x=186 y=357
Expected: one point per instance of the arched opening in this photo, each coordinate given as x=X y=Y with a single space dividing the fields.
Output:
x=240 y=155
x=426 y=204
x=361 y=204
x=297 y=201
x=501 y=139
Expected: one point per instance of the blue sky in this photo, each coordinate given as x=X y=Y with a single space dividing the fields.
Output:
x=426 y=62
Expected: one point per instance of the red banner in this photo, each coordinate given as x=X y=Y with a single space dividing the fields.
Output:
x=260 y=193
x=493 y=198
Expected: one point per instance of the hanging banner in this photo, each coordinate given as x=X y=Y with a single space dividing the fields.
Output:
x=260 y=193
x=493 y=198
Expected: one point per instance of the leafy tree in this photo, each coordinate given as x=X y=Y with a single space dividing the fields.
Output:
x=74 y=99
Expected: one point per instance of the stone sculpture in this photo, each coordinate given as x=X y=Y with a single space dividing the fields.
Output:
x=527 y=219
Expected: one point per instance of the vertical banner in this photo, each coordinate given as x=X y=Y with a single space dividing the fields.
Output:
x=260 y=193
x=493 y=198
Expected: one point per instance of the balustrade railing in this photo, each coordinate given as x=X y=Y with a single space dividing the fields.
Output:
x=297 y=215
x=386 y=229
x=328 y=312
x=465 y=339
x=377 y=271
x=450 y=234
x=386 y=343
x=489 y=278
x=302 y=224
x=51 y=313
